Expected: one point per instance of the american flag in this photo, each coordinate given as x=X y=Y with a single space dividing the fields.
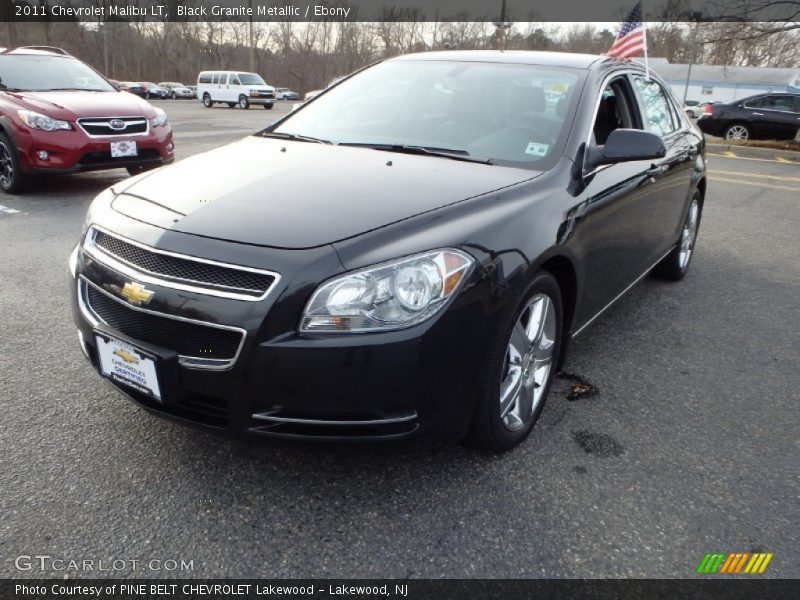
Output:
x=631 y=38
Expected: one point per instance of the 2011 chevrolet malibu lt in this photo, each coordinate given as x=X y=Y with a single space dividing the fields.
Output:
x=401 y=257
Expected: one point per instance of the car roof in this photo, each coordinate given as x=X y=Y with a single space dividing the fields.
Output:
x=522 y=57
x=36 y=51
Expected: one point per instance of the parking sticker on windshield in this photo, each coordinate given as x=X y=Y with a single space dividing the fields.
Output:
x=537 y=149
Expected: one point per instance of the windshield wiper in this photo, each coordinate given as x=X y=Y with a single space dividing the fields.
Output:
x=295 y=137
x=450 y=153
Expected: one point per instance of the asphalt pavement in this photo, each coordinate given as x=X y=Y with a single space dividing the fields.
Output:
x=690 y=444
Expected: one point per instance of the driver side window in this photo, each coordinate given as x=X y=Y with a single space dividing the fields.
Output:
x=614 y=111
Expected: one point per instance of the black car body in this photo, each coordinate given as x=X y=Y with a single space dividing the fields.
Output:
x=254 y=288
x=763 y=117
x=132 y=87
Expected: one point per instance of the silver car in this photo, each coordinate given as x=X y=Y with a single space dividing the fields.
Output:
x=177 y=90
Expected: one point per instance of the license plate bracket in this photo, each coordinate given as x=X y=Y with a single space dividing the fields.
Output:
x=129 y=366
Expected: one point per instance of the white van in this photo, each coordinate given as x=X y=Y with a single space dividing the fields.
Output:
x=234 y=87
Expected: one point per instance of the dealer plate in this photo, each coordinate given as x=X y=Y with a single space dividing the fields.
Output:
x=123 y=148
x=127 y=365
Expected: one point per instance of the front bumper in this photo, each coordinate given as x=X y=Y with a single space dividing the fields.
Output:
x=74 y=151
x=414 y=383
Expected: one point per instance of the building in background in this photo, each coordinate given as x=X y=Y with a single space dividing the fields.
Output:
x=711 y=83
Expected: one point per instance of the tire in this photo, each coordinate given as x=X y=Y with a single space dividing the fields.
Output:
x=12 y=180
x=511 y=364
x=244 y=103
x=174 y=96
x=231 y=104
x=140 y=169
x=268 y=106
x=676 y=264
x=737 y=131
x=207 y=101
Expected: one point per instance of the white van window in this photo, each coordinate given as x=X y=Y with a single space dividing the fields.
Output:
x=235 y=80
x=251 y=79
x=215 y=78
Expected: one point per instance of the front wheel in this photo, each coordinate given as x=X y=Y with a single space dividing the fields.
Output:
x=244 y=103
x=12 y=180
x=676 y=263
x=268 y=106
x=737 y=131
x=519 y=367
x=207 y=101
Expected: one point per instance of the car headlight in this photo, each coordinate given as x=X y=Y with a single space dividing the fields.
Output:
x=388 y=296
x=160 y=119
x=36 y=120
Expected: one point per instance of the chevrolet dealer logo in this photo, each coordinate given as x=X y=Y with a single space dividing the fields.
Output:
x=136 y=294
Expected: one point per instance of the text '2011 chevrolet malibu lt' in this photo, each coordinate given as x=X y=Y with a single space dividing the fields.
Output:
x=403 y=256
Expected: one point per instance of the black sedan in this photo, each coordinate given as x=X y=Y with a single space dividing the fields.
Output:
x=763 y=117
x=401 y=257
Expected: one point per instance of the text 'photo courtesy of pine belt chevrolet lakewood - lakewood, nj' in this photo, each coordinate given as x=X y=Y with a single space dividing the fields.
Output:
x=389 y=260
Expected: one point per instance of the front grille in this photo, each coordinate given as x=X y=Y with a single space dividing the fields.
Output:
x=184 y=269
x=103 y=126
x=192 y=340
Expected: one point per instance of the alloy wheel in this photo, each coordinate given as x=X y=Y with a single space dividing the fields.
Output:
x=6 y=166
x=529 y=359
x=689 y=234
x=737 y=132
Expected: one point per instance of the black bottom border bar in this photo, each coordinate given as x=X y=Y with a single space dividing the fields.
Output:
x=440 y=589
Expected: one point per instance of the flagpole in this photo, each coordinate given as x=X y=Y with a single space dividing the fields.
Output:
x=646 y=64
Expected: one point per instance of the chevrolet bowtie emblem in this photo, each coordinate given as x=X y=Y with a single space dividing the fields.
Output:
x=126 y=356
x=136 y=294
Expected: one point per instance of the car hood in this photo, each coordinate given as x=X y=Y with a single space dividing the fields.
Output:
x=72 y=105
x=285 y=194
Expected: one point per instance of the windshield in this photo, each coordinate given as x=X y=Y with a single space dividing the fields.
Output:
x=251 y=79
x=41 y=73
x=500 y=112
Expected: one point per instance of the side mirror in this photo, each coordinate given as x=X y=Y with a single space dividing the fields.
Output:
x=625 y=145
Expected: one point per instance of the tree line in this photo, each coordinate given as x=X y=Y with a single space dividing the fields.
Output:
x=305 y=56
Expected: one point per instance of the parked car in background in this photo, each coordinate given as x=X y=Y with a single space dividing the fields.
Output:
x=691 y=108
x=414 y=273
x=234 y=88
x=764 y=117
x=193 y=89
x=58 y=115
x=155 y=91
x=286 y=94
x=177 y=90
x=133 y=87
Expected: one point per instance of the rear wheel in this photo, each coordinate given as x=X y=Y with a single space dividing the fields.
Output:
x=244 y=103
x=676 y=263
x=207 y=101
x=174 y=96
x=12 y=180
x=737 y=131
x=520 y=367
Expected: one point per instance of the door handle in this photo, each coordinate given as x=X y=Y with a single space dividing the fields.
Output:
x=758 y=114
x=655 y=171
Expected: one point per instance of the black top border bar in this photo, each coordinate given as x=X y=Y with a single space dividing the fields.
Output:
x=396 y=10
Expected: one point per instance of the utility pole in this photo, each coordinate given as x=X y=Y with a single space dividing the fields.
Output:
x=252 y=40
x=686 y=86
x=501 y=32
